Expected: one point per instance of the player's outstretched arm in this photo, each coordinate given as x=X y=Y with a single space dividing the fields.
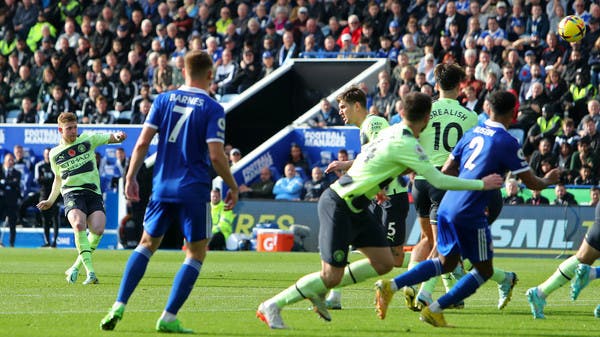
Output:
x=117 y=137
x=536 y=183
x=45 y=204
x=221 y=166
x=338 y=165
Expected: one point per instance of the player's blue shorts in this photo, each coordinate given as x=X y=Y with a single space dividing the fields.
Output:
x=473 y=240
x=193 y=219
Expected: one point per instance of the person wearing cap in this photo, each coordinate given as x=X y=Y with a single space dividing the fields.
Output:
x=425 y=34
x=268 y=64
x=353 y=29
x=394 y=34
x=501 y=13
x=301 y=19
x=537 y=22
x=434 y=16
x=234 y=156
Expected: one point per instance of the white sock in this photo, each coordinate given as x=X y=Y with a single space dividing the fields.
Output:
x=118 y=304
x=168 y=317
x=435 y=307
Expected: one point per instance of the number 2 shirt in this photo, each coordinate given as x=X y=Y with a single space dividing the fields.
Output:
x=488 y=148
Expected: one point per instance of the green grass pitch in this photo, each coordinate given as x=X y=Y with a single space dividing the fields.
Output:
x=36 y=301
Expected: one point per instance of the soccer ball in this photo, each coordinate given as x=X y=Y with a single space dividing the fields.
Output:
x=571 y=28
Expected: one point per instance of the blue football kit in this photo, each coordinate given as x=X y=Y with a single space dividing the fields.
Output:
x=187 y=120
x=462 y=223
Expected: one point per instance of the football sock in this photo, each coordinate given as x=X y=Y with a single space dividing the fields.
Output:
x=168 y=317
x=498 y=276
x=356 y=272
x=412 y=264
x=310 y=285
x=563 y=274
x=134 y=271
x=183 y=284
x=421 y=272
x=94 y=240
x=406 y=262
x=85 y=252
x=464 y=288
x=449 y=281
x=594 y=273
x=428 y=286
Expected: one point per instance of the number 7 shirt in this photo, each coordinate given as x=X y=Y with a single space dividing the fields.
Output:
x=187 y=119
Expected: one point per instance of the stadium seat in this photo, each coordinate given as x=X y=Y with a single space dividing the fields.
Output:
x=519 y=134
x=227 y=98
x=11 y=116
x=114 y=113
x=124 y=117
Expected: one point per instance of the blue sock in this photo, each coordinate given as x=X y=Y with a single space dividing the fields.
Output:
x=464 y=288
x=421 y=272
x=183 y=284
x=596 y=273
x=134 y=271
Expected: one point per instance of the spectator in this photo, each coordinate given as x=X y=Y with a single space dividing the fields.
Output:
x=326 y=116
x=163 y=75
x=224 y=20
x=555 y=86
x=591 y=132
x=544 y=152
x=235 y=155
x=546 y=126
x=125 y=91
x=585 y=177
x=102 y=38
x=142 y=113
x=531 y=108
x=222 y=221
x=183 y=22
x=288 y=50
x=58 y=104
x=568 y=135
x=44 y=177
x=594 y=196
x=25 y=17
x=223 y=74
x=565 y=153
x=10 y=188
x=290 y=186
x=297 y=159
x=23 y=87
x=512 y=193
x=342 y=156
x=136 y=66
x=89 y=105
x=40 y=30
x=247 y=74
x=268 y=65
x=28 y=112
x=593 y=108
x=584 y=156
x=101 y=115
x=178 y=79
x=578 y=95
x=384 y=98
x=563 y=198
x=314 y=187
x=537 y=198
x=262 y=189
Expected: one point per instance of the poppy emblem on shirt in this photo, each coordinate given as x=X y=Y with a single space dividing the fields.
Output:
x=72 y=153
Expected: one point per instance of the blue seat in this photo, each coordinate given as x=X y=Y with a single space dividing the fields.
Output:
x=12 y=116
x=124 y=117
x=519 y=134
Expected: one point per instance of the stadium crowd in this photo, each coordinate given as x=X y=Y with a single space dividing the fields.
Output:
x=106 y=60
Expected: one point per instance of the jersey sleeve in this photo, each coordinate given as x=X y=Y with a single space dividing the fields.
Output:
x=98 y=139
x=215 y=131
x=513 y=156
